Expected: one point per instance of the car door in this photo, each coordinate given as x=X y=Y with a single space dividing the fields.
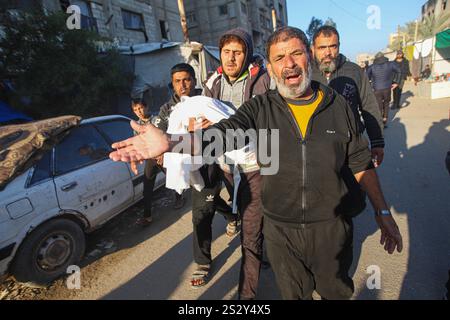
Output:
x=86 y=180
x=118 y=130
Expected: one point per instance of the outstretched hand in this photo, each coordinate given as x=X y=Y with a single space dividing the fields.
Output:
x=149 y=143
x=390 y=234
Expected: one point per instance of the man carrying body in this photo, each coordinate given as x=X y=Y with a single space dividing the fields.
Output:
x=238 y=79
x=183 y=84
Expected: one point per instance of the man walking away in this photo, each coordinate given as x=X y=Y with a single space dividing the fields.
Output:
x=382 y=73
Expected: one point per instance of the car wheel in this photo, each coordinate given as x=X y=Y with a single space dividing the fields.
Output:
x=46 y=253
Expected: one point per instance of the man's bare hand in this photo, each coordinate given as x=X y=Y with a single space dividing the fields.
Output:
x=194 y=124
x=395 y=85
x=160 y=160
x=377 y=156
x=150 y=143
x=134 y=169
x=390 y=234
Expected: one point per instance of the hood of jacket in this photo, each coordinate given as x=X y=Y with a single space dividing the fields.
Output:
x=247 y=39
x=381 y=60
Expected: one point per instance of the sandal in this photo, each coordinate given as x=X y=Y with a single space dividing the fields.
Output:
x=233 y=228
x=200 y=276
x=144 y=222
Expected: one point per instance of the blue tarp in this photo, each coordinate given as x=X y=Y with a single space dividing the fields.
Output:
x=7 y=114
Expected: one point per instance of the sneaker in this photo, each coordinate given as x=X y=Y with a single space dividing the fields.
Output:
x=233 y=228
x=179 y=201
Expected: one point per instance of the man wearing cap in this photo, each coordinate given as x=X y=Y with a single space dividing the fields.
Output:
x=403 y=64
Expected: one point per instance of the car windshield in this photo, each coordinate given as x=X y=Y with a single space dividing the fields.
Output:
x=83 y=146
x=116 y=130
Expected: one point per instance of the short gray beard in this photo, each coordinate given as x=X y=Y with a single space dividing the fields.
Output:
x=294 y=92
x=328 y=67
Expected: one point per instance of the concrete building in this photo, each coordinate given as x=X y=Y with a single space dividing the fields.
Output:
x=209 y=19
x=125 y=21
x=435 y=7
x=130 y=22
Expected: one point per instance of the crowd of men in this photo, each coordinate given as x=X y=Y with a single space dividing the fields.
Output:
x=321 y=104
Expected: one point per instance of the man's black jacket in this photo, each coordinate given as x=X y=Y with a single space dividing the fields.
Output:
x=350 y=81
x=308 y=186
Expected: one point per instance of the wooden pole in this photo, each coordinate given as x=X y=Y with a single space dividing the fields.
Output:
x=417 y=31
x=183 y=21
x=274 y=18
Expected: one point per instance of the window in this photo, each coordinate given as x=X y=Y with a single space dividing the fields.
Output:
x=164 y=29
x=132 y=21
x=265 y=22
x=116 y=130
x=281 y=12
x=88 y=21
x=444 y=5
x=191 y=18
x=83 y=146
x=223 y=10
x=243 y=8
x=42 y=169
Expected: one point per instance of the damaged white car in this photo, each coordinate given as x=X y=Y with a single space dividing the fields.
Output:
x=73 y=189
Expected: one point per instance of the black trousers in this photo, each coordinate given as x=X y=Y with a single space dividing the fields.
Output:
x=250 y=210
x=315 y=256
x=397 y=97
x=150 y=172
x=383 y=99
x=204 y=204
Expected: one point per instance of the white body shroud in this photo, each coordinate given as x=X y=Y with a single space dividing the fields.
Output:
x=182 y=170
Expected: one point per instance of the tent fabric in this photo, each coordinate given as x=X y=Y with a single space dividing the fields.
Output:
x=443 y=39
x=409 y=53
x=423 y=48
x=20 y=143
x=214 y=51
x=7 y=114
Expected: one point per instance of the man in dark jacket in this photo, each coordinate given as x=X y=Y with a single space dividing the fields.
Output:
x=382 y=73
x=403 y=64
x=183 y=84
x=238 y=79
x=309 y=240
x=348 y=79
